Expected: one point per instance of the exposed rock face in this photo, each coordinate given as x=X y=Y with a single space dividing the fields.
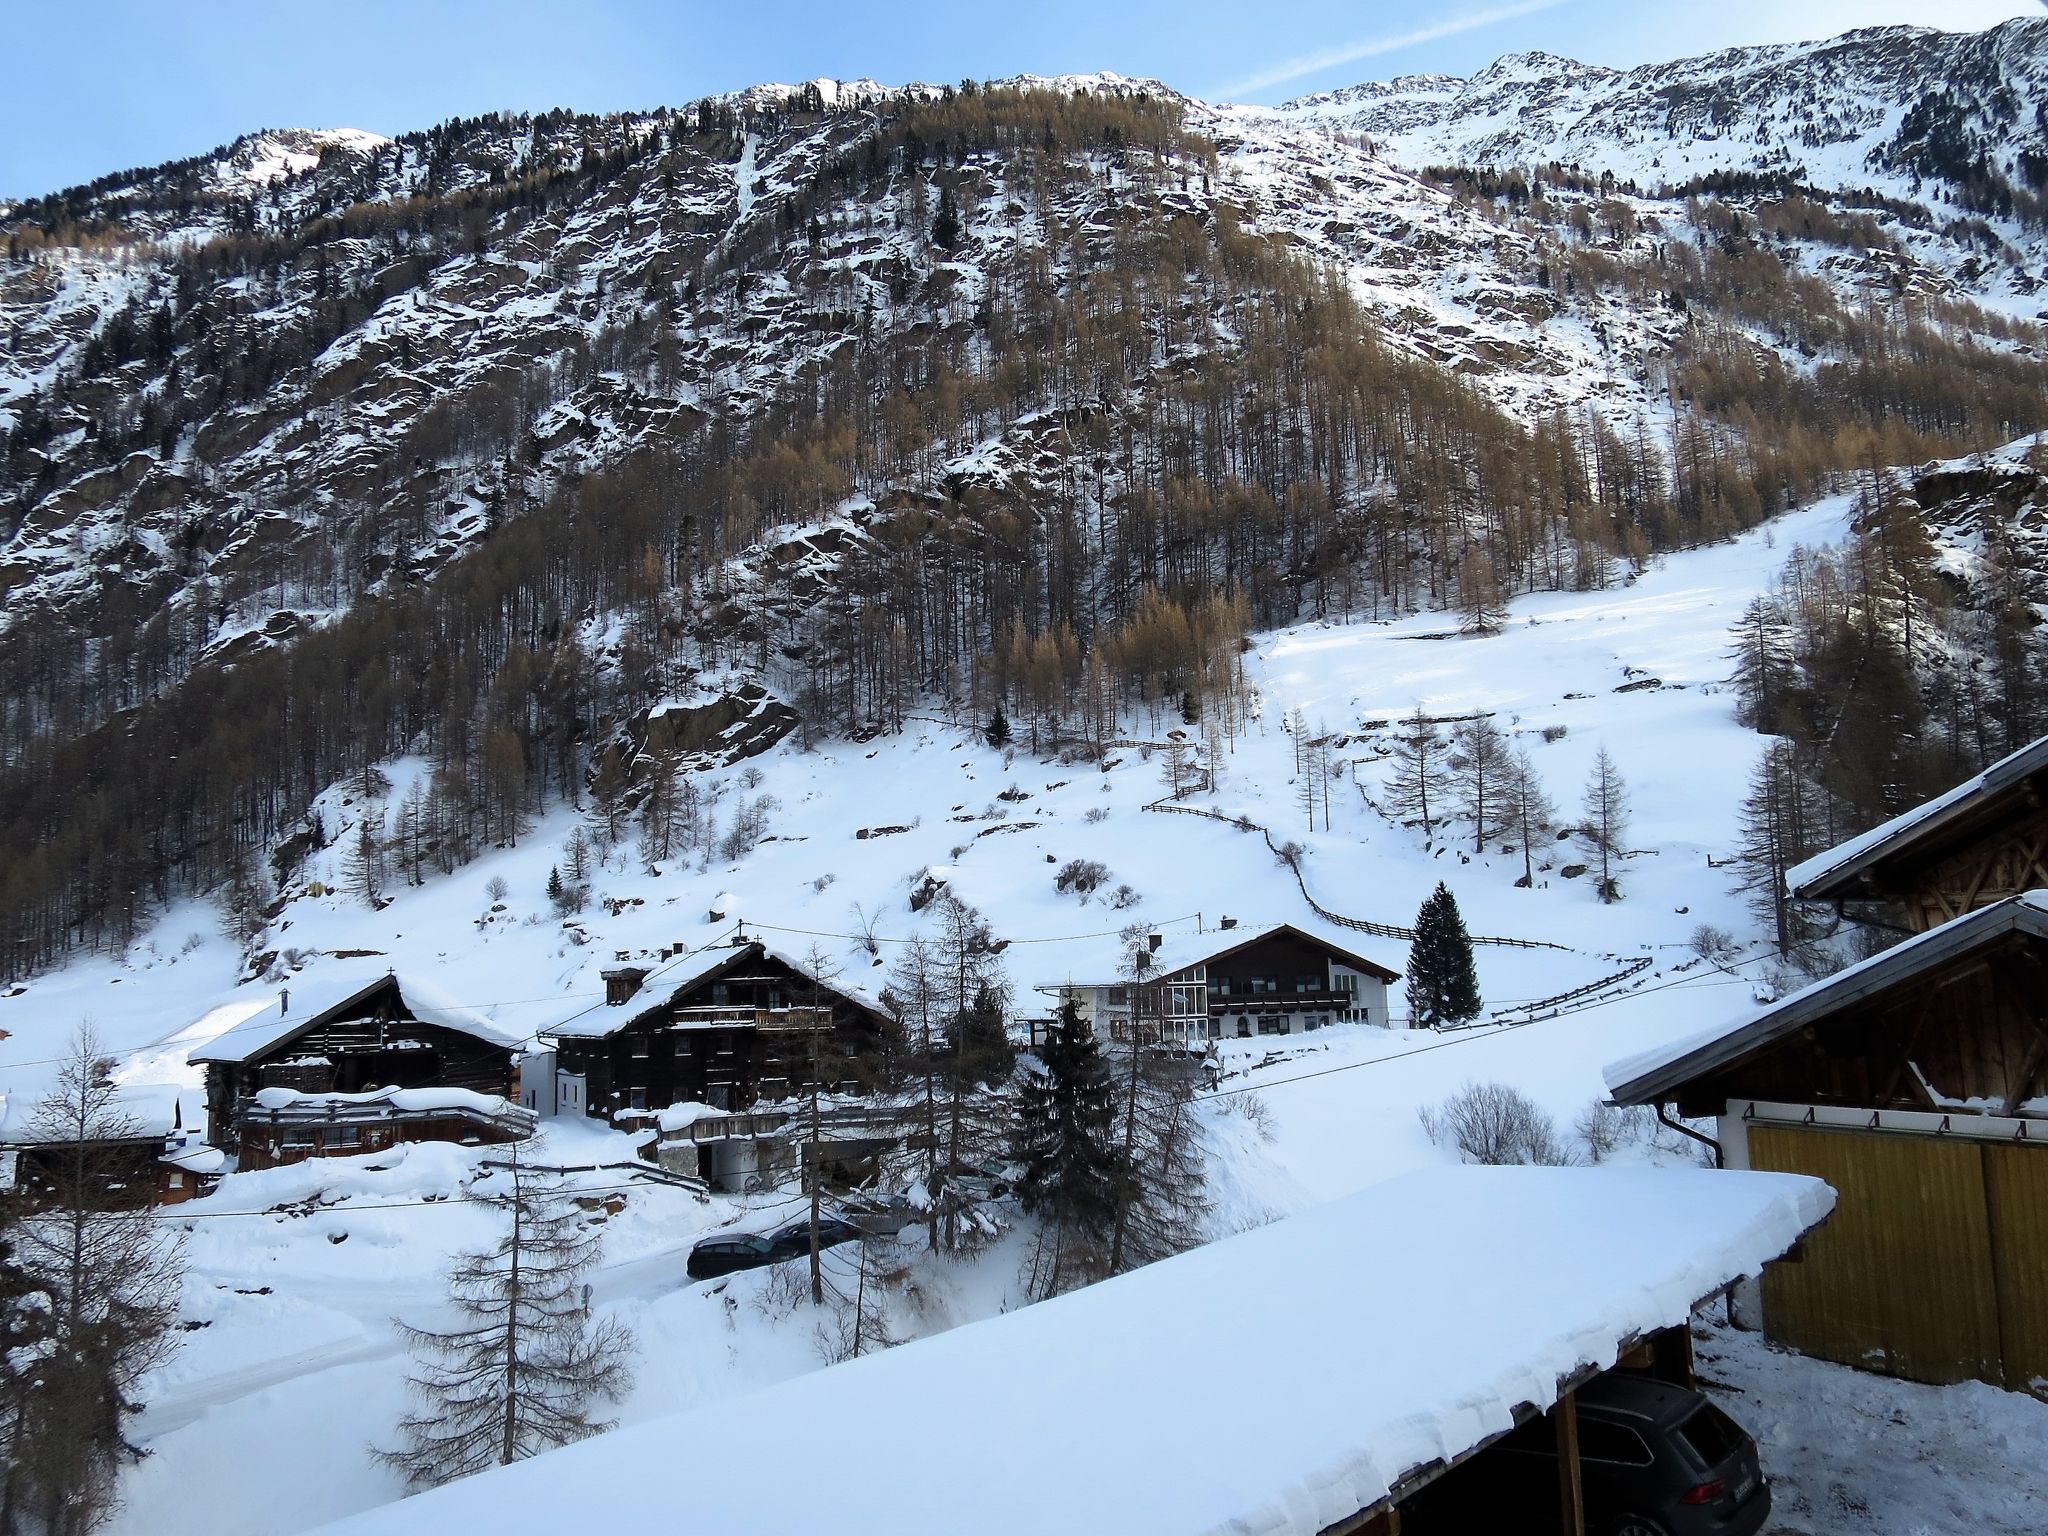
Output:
x=734 y=726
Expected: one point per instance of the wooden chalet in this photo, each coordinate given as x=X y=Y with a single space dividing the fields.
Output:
x=392 y=1033
x=1231 y=983
x=730 y=1027
x=146 y=1156
x=1916 y=1083
x=1983 y=841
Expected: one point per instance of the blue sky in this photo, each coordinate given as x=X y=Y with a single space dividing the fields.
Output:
x=100 y=85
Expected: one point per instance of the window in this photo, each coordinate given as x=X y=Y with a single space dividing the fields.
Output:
x=1221 y=986
x=1119 y=995
x=1343 y=981
x=1244 y=1026
x=1273 y=1024
x=1710 y=1435
x=1601 y=1441
x=640 y=1048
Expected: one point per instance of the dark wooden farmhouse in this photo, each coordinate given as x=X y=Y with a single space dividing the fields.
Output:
x=279 y=1086
x=142 y=1154
x=1983 y=841
x=1916 y=1083
x=730 y=1027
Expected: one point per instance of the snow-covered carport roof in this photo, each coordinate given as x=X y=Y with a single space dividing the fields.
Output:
x=1917 y=837
x=1342 y=1381
x=1653 y=1076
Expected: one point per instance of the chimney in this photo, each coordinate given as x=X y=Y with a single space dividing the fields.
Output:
x=284 y=1001
x=1153 y=941
x=1229 y=923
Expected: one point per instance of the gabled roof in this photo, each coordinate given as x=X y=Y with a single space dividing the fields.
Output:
x=1653 y=1075
x=1109 y=966
x=1335 y=1395
x=147 y=1112
x=669 y=983
x=1926 y=832
x=271 y=1028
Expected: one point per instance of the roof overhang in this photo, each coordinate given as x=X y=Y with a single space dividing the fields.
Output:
x=1655 y=1076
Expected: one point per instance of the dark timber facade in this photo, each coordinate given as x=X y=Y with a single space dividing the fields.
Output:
x=369 y=1040
x=742 y=1028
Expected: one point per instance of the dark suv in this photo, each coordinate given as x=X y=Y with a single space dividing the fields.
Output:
x=1654 y=1460
x=716 y=1256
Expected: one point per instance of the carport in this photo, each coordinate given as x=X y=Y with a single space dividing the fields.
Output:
x=1302 y=1378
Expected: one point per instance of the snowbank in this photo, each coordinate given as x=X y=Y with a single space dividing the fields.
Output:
x=1340 y=1372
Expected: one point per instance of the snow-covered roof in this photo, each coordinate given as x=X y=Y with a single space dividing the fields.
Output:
x=426 y=1002
x=1651 y=1075
x=149 y=1110
x=1338 y=1374
x=687 y=972
x=1836 y=872
x=1108 y=964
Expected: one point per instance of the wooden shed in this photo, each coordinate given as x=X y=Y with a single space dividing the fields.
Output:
x=1915 y=1083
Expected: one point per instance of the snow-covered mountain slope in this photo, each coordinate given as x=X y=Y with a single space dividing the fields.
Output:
x=1907 y=111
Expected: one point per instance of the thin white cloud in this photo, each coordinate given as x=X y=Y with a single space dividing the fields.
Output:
x=1371 y=48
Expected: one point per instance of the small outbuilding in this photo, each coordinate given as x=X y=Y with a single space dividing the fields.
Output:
x=1915 y=1083
x=143 y=1152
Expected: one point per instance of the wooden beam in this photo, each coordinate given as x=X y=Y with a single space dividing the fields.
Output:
x=1570 y=1501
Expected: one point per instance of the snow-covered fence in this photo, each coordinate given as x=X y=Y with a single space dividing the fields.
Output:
x=1563 y=1001
x=1355 y=924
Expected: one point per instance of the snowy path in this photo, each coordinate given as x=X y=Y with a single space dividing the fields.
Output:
x=1850 y=1453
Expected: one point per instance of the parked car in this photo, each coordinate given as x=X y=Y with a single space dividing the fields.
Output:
x=1654 y=1460
x=722 y=1255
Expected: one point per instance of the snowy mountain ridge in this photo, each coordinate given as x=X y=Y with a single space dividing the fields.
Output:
x=1838 y=113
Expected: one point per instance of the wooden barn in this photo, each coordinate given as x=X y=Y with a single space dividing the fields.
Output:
x=729 y=1027
x=1916 y=1083
x=1983 y=841
x=395 y=1032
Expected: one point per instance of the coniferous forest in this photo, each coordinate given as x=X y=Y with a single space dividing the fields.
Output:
x=999 y=400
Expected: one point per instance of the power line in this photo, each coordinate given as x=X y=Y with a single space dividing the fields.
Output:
x=1463 y=1039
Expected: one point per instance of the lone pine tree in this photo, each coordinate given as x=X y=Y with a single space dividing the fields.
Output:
x=517 y=1372
x=1443 y=986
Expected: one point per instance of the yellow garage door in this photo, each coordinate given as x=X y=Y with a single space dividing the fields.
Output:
x=1900 y=1280
x=2016 y=1190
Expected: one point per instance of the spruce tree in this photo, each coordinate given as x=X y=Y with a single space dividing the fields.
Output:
x=946 y=223
x=1443 y=985
x=997 y=731
x=1066 y=1117
x=518 y=1371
